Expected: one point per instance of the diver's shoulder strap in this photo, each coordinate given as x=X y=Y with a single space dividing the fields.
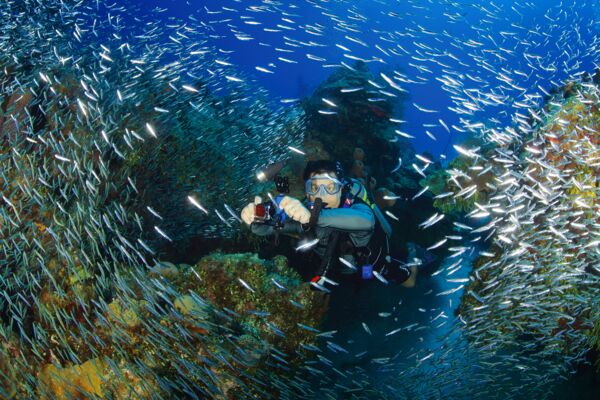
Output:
x=356 y=191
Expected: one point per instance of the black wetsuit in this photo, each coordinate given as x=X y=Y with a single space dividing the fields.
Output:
x=356 y=224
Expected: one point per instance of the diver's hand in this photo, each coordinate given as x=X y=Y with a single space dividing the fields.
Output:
x=295 y=209
x=248 y=211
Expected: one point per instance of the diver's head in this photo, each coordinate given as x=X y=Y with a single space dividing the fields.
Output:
x=323 y=179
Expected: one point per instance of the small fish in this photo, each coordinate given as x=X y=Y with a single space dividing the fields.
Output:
x=397 y=166
x=419 y=170
x=329 y=102
x=190 y=88
x=424 y=159
x=151 y=130
x=392 y=83
x=404 y=134
x=278 y=332
x=351 y=90
x=296 y=150
x=106 y=57
x=308 y=328
x=430 y=135
x=336 y=347
x=392 y=215
x=296 y=304
x=320 y=287
x=233 y=79
x=462 y=226
x=380 y=277
x=366 y=328
x=443 y=195
x=464 y=151
x=232 y=213
x=222 y=219
x=307 y=245
x=153 y=212
x=435 y=218
x=246 y=285
x=393 y=332
x=196 y=204
x=426 y=188
x=441 y=121
x=61 y=158
x=331 y=282
x=161 y=233
x=438 y=244
x=424 y=109
x=426 y=357
x=261 y=69
x=447 y=292
x=327 y=112
x=348 y=264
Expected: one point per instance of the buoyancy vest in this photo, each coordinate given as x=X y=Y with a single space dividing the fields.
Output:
x=354 y=191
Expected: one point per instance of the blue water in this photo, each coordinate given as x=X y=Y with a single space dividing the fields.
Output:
x=300 y=79
x=382 y=353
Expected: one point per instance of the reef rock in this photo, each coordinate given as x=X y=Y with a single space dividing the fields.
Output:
x=356 y=128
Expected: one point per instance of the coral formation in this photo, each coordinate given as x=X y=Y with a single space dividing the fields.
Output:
x=546 y=247
x=446 y=184
x=175 y=317
x=360 y=128
x=95 y=172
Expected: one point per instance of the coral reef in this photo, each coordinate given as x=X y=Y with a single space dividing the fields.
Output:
x=360 y=128
x=448 y=184
x=539 y=277
x=170 y=324
x=97 y=160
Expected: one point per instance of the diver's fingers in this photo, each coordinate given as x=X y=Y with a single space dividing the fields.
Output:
x=248 y=213
x=298 y=212
x=289 y=205
x=285 y=202
x=246 y=217
x=305 y=217
x=257 y=200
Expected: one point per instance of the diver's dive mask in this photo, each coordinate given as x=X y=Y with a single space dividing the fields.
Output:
x=322 y=184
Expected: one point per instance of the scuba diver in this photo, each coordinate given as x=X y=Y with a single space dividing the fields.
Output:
x=339 y=222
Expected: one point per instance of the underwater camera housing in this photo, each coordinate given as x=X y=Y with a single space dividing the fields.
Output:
x=263 y=212
x=269 y=212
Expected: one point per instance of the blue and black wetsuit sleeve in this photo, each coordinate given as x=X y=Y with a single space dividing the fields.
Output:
x=359 y=217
